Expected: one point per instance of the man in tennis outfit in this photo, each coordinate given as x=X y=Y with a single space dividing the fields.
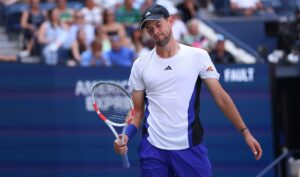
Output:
x=168 y=81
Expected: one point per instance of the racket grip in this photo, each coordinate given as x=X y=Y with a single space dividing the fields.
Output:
x=125 y=161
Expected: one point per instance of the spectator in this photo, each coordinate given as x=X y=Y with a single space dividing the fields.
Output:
x=52 y=34
x=219 y=54
x=94 y=56
x=78 y=47
x=111 y=27
x=193 y=37
x=103 y=38
x=247 y=8
x=136 y=40
x=92 y=13
x=179 y=28
x=65 y=14
x=79 y=22
x=66 y=50
x=188 y=9
x=109 y=4
x=128 y=16
x=120 y=55
x=31 y=20
x=169 y=5
x=147 y=42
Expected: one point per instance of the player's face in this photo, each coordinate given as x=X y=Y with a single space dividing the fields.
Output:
x=160 y=31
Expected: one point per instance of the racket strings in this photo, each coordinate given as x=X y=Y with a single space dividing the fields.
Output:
x=113 y=102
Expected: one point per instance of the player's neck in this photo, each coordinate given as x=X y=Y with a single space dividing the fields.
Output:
x=168 y=50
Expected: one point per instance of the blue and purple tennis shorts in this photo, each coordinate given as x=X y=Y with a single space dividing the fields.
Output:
x=191 y=162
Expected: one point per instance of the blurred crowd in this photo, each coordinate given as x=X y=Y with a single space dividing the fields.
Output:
x=106 y=32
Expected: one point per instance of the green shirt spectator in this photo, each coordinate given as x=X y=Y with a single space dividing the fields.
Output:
x=129 y=16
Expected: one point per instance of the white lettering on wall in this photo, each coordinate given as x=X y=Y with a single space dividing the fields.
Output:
x=84 y=88
x=239 y=74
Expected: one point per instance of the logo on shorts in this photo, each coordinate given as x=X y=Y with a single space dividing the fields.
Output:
x=168 y=68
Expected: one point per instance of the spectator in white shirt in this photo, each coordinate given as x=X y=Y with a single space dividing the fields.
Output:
x=92 y=13
x=247 y=7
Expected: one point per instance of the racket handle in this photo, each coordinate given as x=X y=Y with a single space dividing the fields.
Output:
x=125 y=161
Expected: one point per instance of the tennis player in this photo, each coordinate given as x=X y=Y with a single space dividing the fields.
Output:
x=168 y=80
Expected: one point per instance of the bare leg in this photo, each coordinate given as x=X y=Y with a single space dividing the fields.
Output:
x=30 y=46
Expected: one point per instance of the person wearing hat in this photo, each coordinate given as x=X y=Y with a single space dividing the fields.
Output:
x=166 y=91
x=219 y=53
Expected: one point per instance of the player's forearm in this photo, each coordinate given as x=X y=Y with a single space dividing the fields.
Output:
x=134 y=125
x=229 y=109
x=138 y=102
x=138 y=117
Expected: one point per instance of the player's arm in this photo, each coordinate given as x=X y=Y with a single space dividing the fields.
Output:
x=138 y=103
x=228 y=107
x=138 y=98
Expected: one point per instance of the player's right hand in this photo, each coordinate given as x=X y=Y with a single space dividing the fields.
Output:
x=119 y=146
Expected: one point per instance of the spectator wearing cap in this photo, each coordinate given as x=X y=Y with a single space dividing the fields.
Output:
x=120 y=55
x=219 y=53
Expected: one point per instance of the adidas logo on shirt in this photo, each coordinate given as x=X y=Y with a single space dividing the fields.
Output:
x=168 y=68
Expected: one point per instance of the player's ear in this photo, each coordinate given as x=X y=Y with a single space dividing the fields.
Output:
x=171 y=20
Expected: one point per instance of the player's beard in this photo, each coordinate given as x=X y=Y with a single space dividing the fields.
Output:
x=163 y=42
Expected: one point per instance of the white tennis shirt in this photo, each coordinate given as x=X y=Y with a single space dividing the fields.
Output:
x=170 y=84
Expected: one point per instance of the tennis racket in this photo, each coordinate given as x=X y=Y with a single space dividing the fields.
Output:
x=114 y=106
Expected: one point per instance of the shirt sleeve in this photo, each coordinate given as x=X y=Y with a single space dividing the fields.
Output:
x=208 y=69
x=135 y=79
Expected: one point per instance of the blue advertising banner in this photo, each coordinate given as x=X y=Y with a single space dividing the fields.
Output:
x=48 y=126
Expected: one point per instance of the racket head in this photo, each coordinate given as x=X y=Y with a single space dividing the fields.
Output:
x=112 y=103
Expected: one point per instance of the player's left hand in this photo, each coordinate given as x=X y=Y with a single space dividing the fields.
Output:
x=121 y=147
x=253 y=144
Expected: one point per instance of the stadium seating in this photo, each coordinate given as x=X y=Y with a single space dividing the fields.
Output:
x=12 y=14
x=222 y=7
